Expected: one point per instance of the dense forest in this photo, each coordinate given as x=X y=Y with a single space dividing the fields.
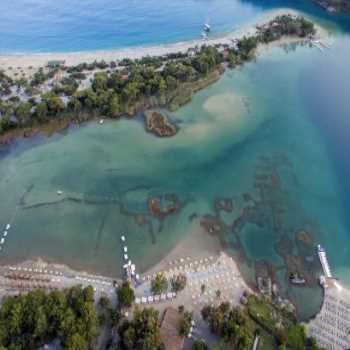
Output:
x=73 y=319
x=31 y=320
x=124 y=87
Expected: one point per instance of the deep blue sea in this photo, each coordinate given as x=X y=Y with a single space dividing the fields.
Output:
x=287 y=113
x=75 y=25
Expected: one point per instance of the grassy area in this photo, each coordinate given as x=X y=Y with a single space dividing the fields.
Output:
x=263 y=313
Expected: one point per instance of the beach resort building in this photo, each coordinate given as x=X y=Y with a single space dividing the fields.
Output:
x=331 y=326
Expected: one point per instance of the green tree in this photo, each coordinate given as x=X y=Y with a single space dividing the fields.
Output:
x=159 y=284
x=297 y=338
x=200 y=345
x=178 y=283
x=100 y=81
x=28 y=320
x=41 y=111
x=55 y=105
x=162 y=86
x=185 y=323
x=104 y=302
x=141 y=333
x=40 y=323
x=15 y=320
x=129 y=338
x=23 y=112
x=171 y=83
x=114 y=108
x=74 y=104
x=246 y=46
x=76 y=342
x=126 y=295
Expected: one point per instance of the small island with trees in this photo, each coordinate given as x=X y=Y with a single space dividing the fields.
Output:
x=159 y=124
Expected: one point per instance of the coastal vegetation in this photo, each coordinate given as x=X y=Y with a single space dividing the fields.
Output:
x=30 y=321
x=129 y=86
x=178 y=283
x=126 y=295
x=200 y=345
x=239 y=326
x=285 y=25
x=231 y=324
x=71 y=318
x=142 y=332
x=186 y=323
x=159 y=284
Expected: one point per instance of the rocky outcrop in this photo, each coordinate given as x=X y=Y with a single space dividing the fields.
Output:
x=163 y=206
x=159 y=124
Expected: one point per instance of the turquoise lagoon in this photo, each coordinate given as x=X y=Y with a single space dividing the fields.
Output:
x=286 y=112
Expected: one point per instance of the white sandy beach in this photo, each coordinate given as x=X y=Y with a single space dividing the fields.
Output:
x=197 y=245
x=24 y=61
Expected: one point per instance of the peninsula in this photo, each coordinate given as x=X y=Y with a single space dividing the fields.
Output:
x=57 y=94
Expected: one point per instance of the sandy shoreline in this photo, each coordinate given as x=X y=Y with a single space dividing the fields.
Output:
x=74 y=58
x=196 y=245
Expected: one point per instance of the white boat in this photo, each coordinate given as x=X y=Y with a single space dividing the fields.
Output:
x=125 y=249
x=59 y=192
x=2 y=241
x=206 y=27
x=126 y=256
x=8 y=226
x=101 y=121
x=122 y=238
x=5 y=233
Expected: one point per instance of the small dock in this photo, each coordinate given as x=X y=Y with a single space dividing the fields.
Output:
x=129 y=267
x=324 y=261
